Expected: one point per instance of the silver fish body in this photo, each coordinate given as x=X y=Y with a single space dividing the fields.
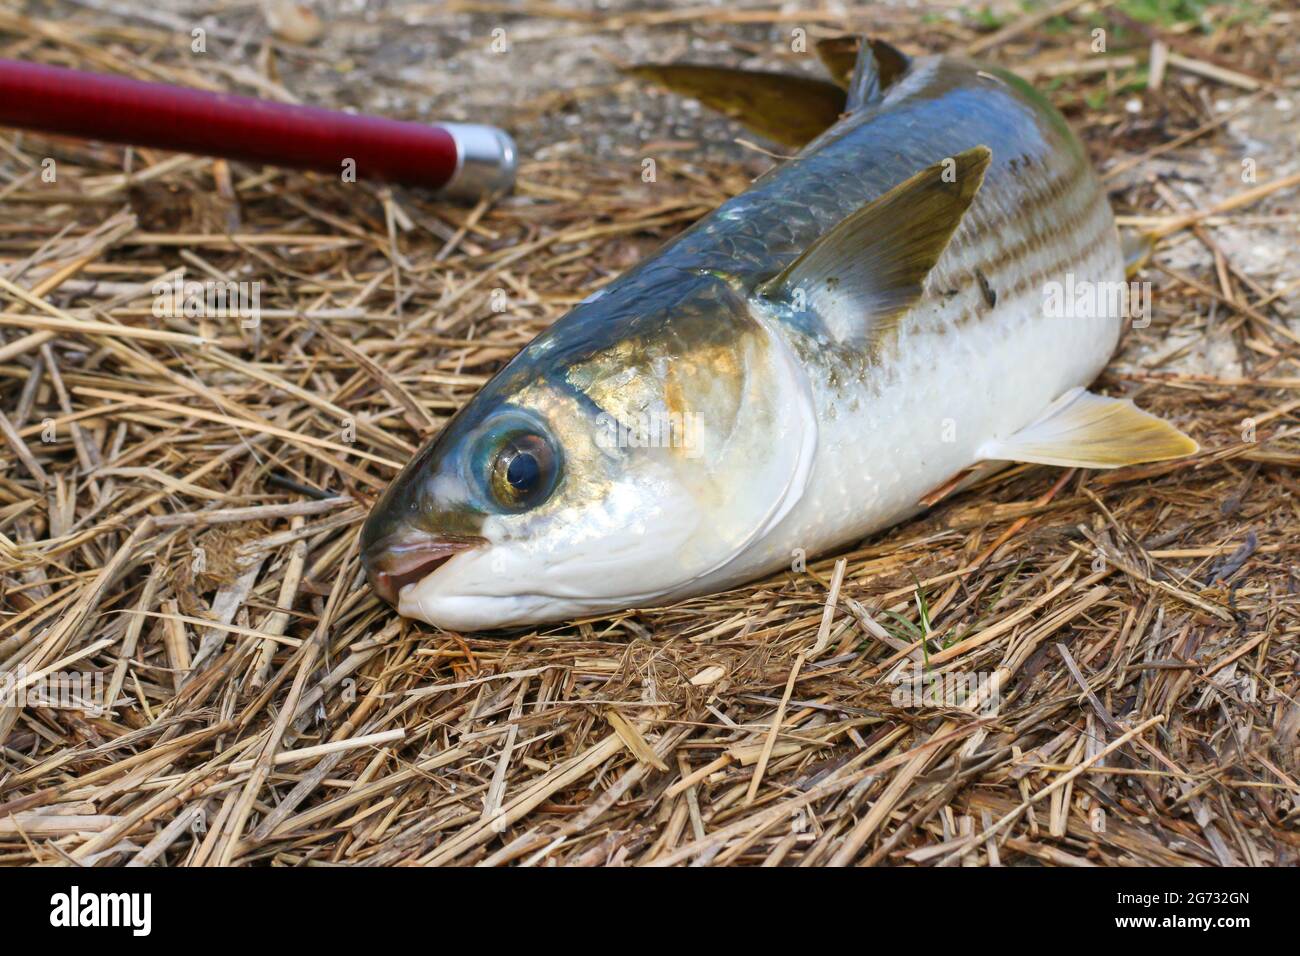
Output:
x=689 y=433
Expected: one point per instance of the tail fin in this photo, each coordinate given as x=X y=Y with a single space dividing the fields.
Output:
x=788 y=109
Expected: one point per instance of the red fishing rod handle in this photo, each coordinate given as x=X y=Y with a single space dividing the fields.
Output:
x=464 y=160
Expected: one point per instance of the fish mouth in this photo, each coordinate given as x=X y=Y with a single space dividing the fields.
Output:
x=407 y=557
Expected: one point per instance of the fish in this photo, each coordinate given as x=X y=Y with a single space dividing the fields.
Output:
x=894 y=309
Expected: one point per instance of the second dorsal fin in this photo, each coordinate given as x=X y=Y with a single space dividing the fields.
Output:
x=840 y=56
x=864 y=87
x=867 y=271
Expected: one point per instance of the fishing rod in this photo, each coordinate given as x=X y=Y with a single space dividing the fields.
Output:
x=464 y=161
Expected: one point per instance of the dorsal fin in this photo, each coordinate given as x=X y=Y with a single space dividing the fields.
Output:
x=861 y=276
x=787 y=109
x=840 y=57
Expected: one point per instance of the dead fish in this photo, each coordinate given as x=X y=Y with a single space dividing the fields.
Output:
x=794 y=372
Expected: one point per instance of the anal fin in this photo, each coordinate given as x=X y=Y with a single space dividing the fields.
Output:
x=1084 y=430
x=1137 y=248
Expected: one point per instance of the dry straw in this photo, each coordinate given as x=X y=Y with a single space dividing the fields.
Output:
x=180 y=499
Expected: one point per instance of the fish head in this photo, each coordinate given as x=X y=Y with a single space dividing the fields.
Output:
x=619 y=460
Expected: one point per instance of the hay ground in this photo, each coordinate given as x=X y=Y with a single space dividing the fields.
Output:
x=178 y=519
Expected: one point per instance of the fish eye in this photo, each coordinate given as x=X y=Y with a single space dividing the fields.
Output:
x=523 y=471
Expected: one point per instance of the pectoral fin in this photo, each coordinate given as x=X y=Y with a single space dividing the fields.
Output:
x=1083 y=430
x=790 y=110
x=863 y=275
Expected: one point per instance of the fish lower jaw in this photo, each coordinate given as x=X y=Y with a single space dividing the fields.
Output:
x=433 y=602
x=428 y=601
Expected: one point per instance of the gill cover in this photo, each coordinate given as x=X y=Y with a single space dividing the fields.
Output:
x=761 y=464
x=716 y=363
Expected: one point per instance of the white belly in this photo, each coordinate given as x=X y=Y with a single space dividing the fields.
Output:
x=949 y=389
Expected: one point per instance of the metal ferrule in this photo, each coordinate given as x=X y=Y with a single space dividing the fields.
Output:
x=486 y=160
